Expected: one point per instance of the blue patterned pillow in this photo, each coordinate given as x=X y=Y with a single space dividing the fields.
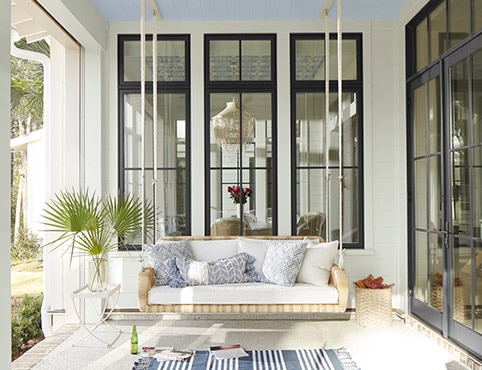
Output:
x=235 y=269
x=162 y=251
x=282 y=262
x=175 y=278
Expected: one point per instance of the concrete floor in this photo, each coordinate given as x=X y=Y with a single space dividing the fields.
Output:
x=400 y=346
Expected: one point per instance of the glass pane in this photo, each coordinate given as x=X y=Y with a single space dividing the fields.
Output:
x=350 y=205
x=349 y=127
x=462 y=283
x=477 y=15
x=419 y=121
x=435 y=270
x=171 y=131
x=420 y=189
x=460 y=194
x=256 y=60
x=421 y=41
x=227 y=209
x=438 y=28
x=459 y=111
x=224 y=60
x=311 y=138
x=312 y=188
x=477 y=191
x=349 y=60
x=171 y=193
x=459 y=155
x=171 y=60
x=310 y=60
x=459 y=21
x=476 y=61
x=434 y=125
x=232 y=141
x=421 y=267
x=477 y=265
x=434 y=194
x=311 y=203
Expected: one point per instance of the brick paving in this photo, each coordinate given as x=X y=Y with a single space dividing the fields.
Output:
x=34 y=355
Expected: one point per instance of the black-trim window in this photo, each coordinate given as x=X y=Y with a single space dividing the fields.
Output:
x=439 y=27
x=315 y=139
x=240 y=132
x=171 y=198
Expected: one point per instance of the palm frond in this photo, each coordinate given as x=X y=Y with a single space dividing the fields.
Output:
x=94 y=226
x=125 y=216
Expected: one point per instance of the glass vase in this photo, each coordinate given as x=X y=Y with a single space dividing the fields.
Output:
x=97 y=274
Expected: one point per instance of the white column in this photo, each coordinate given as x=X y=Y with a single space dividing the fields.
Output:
x=5 y=184
x=197 y=135
x=284 y=114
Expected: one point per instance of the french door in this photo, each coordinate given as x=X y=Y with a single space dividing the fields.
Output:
x=445 y=196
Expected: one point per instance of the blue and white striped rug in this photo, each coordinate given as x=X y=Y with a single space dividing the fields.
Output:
x=302 y=359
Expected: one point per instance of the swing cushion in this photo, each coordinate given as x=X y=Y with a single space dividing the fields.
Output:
x=317 y=262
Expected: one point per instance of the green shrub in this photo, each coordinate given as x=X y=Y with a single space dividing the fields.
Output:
x=26 y=247
x=26 y=324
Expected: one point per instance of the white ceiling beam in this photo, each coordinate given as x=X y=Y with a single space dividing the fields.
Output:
x=154 y=7
x=325 y=8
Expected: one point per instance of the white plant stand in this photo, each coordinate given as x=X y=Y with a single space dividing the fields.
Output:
x=109 y=294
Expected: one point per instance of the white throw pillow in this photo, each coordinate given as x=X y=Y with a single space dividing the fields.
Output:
x=210 y=250
x=317 y=263
x=255 y=248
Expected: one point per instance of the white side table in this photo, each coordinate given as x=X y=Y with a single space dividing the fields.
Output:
x=110 y=294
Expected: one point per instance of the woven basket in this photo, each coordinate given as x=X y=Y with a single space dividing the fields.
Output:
x=373 y=307
x=437 y=302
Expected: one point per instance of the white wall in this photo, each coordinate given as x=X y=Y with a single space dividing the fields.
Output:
x=5 y=340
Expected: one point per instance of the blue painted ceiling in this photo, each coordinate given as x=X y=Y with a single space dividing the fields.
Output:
x=248 y=10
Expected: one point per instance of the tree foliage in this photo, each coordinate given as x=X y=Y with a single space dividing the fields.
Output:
x=27 y=89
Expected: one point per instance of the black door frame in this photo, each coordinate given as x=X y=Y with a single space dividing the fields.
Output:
x=442 y=321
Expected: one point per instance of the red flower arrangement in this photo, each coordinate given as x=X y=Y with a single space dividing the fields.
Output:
x=239 y=196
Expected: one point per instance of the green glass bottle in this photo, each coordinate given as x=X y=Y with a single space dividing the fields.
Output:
x=134 y=341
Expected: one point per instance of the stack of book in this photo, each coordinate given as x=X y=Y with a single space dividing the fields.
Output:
x=166 y=354
x=224 y=352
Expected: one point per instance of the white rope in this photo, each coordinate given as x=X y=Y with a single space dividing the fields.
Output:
x=143 y=121
x=340 y=129
x=327 y=129
x=154 y=113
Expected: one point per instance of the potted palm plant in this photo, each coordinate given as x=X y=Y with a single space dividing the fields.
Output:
x=95 y=226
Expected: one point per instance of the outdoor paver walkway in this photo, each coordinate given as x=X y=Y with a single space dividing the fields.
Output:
x=34 y=355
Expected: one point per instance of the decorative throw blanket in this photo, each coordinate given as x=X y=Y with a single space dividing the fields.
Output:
x=304 y=359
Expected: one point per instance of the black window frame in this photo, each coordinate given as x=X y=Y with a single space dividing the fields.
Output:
x=318 y=86
x=240 y=86
x=163 y=87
